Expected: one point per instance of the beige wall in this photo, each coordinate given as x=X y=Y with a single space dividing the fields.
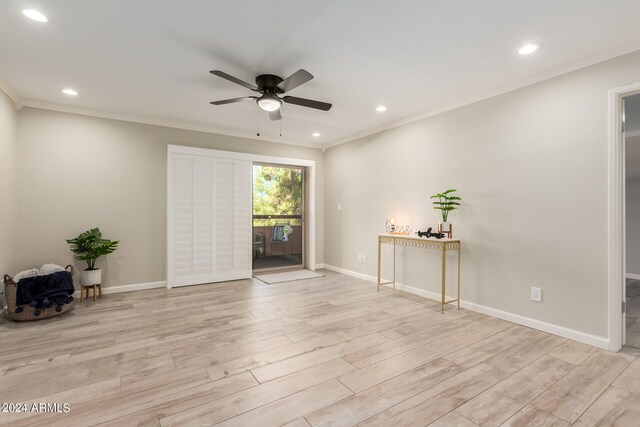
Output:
x=79 y=172
x=531 y=166
x=8 y=185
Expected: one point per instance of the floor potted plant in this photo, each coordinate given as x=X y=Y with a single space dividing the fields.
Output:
x=88 y=247
x=445 y=202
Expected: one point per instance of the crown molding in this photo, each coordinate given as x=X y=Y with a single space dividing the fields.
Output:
x=10 y=93
x=584 y=62
x=175 y=124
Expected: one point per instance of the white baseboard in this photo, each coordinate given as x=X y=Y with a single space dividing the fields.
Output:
x=319 y=266
x=633 y=276
x=128 y=288
x=351 y=273
x=504 y=315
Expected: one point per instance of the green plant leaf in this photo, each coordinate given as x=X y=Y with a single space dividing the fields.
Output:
x=89 y=246
x=446 y=202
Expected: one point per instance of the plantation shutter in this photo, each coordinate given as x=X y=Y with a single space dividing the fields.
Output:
x=209 y=213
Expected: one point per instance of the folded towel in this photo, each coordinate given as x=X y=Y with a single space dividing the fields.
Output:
x=26 y=273
x=49 y=269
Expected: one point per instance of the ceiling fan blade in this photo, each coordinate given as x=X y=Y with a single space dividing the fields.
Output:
x=232 y=100
x=275 y=115
x=294 y=80
x=234 y=80
x=324 y=106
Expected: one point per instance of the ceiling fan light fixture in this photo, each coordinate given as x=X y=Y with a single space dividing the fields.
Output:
x=269 y=102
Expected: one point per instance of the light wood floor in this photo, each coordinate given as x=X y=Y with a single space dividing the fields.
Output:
x=326 y=351
x=633 y=313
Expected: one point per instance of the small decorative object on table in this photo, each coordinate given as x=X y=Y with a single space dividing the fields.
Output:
x=392 y=228
x=428 y=234
x=88 y=247
x=445 y=203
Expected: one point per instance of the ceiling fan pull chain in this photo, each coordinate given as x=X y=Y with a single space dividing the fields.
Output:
x=257 y=123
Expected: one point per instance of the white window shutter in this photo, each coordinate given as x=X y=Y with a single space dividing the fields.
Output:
x=183 y=211
x=210 y=219
x=242 y=217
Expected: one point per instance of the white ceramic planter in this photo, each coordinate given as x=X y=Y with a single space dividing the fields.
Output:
x=445 y=226
x=91 y=277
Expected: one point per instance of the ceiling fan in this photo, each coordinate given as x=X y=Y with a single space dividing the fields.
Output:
x=270 y=88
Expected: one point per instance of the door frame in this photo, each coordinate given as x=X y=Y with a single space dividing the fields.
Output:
x=616 y=215
x=310 y=166
x=304 y=220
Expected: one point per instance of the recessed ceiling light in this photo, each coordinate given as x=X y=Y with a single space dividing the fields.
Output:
x=529 y=48
x=70 y=92
x=381 y=108
x=316 y=134
x=35 y=15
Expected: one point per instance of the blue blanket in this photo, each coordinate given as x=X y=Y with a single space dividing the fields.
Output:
x=44 y=291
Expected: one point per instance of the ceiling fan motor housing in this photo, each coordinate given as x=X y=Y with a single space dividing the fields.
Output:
x=268 y=83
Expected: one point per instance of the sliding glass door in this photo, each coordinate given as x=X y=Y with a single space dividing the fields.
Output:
x=278 y=217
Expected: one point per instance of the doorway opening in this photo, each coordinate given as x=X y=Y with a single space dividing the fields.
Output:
x=622 y=126
x=278 y=217
x=631 y=322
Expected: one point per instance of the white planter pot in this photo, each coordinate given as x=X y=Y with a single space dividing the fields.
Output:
x=91 y=277
x=444 y=226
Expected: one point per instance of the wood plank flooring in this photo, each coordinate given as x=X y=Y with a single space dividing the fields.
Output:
x=329 y=351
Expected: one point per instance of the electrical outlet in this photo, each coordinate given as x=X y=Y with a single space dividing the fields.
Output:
x=359 y=257
x=536 y=294
x=339 y=207
x=364 y=258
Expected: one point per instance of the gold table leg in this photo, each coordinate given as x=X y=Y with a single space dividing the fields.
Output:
x=378 y=264
x=444 y=275
x=458 y=276
x=394 y=264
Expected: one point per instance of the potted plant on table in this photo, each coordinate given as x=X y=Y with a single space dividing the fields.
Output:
x=446 y=202
x=88 y=247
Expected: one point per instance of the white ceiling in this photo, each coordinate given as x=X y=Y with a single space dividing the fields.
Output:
x=148 y=60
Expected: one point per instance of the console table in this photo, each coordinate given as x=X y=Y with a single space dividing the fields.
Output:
x=440 y=245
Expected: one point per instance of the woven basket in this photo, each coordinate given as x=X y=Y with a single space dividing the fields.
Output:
x=27 y=311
